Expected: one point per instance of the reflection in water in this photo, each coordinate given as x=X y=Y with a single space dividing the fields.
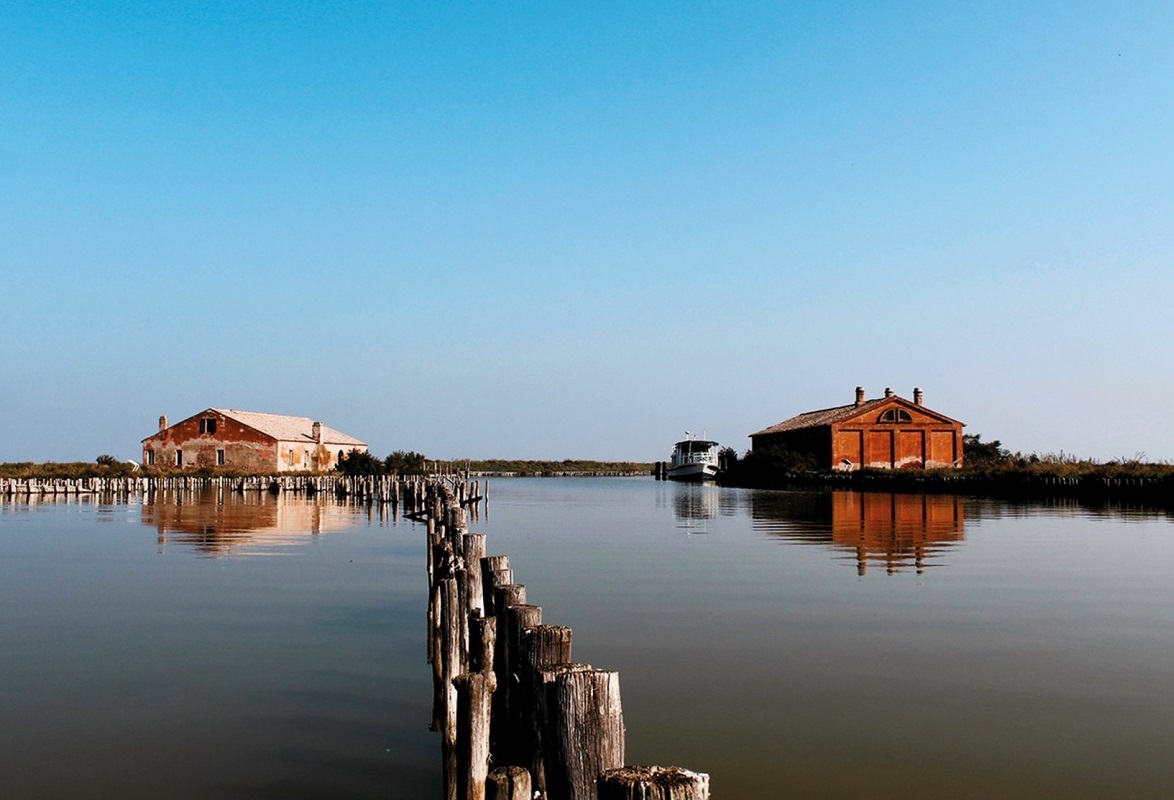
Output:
x=695 y=503
x=897 y=530
x=216 y=524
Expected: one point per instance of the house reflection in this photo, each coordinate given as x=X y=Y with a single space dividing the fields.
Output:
x=216 y=524
x=897 y=530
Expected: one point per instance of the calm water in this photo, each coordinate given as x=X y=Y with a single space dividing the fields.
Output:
x=790 y=644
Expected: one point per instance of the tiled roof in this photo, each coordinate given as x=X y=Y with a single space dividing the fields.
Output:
x=288 y=429
x=826 y=416
x=829 y=416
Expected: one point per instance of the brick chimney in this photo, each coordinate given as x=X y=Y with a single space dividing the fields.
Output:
x=917 y=397
x=888 y=392
x=859 y=396
x=318 y=432
x=163 y=422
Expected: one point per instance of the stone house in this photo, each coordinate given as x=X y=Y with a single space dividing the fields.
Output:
x=248 y=440
x=888 y=432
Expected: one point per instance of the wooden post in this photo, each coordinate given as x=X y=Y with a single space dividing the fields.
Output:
x=474 y=696
x=450 y=669
x=489 y=566
x=504 y=596
x=508 y=783
x=541 y=647
x=474 y=547
x=517 y=740
x=483 y=635
x=493 y=580
x=653 y=783
x=586 y=731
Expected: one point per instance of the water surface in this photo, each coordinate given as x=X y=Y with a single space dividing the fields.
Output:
x=816 y=645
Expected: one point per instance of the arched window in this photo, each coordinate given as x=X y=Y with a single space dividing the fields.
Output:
x=895 y=415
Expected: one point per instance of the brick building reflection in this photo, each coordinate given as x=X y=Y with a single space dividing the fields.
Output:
x=896 y=530
x=216 y=524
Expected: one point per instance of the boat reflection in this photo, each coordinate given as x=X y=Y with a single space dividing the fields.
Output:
x=249 y=524
x=897 y=531
x=694 y=504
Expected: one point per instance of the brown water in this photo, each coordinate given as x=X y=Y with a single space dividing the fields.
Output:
x=790 y=644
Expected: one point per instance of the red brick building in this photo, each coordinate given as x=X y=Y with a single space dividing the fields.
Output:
x=889 y=432
x=248 y=440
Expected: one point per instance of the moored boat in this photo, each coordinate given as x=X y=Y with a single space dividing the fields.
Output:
x=694 y=460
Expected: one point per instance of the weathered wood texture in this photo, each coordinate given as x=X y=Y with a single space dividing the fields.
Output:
x=389 y=489
x=474 y=552
x=483 y=640
x=474 y=696
x=450 y=669
x=508 y=783
x=653 y=783
x=541 y=647
x=586 y=732
x=518 y=706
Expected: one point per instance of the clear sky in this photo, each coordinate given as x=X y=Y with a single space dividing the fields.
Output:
x=576 y=230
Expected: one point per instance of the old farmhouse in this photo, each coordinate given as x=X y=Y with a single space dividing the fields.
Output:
x=247 y=440
x=888 y=432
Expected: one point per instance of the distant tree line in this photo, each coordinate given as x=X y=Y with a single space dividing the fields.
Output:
x=754 y=468
x=399 y=462
x=548 y=467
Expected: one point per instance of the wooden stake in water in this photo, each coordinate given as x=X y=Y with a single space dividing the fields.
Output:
x=450 y=669
x=474 y=696
x=586 y=733
x=541 y=648
x=508 y=783
x=653 y=783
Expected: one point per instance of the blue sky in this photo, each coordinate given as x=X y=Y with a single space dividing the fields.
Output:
x=555 y=230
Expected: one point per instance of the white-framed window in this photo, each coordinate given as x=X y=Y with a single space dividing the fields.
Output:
x=179 y=458
x=220 y=458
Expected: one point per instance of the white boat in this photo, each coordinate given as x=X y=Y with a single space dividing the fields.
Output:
x=694 y=460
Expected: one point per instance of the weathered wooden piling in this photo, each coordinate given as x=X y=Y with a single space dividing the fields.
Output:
x=450 y=669
x=653 y=783
x=474 y=551
x=586 y=732
x=495 y=571
x=517 y=708
x=541 y=647
x=474 y=696
x=483 y=643
x=381 y=490
x=508 y=783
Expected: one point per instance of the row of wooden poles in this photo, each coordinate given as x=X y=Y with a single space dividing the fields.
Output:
x=518 y=719
x=407 y=491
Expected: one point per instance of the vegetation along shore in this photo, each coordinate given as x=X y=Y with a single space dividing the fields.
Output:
x=989 y=470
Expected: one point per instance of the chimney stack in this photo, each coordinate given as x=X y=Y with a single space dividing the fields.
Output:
x=859 y=396
x=163 y=422
x=318 y=432
x=917 y=397
x=888 y=392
